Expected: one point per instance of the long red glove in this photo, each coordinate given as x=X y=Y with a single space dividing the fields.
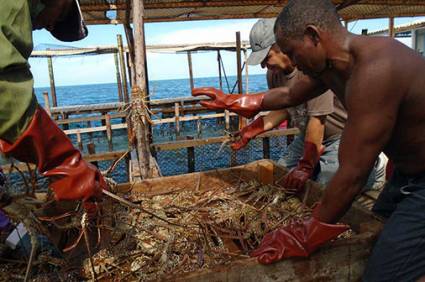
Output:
x=298 y=239
x=298 y=176
x=248 y=132
x=44 y=144
x=245 y=105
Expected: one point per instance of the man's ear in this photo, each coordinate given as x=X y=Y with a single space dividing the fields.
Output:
x=313 y=33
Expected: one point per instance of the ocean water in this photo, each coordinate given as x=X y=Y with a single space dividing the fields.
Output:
x=171 y=162
x=159 y=89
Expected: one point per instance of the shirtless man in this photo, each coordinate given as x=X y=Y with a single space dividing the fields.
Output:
x=313 y=154
x=380 y=82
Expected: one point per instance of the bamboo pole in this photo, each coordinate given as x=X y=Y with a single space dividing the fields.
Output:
x=189 y=61
x=142 y=130
x=122 y=67
x=52 y=81
x=119 y=83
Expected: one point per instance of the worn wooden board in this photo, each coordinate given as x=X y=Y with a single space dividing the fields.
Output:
x=343 y=260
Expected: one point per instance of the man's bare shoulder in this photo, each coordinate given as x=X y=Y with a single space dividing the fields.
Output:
x=379 y=49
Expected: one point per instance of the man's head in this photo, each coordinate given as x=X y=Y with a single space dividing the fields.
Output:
x=62 y=18
x=305 y=30
x=264 y=48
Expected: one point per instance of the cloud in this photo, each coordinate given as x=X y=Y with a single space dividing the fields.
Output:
x=223 y=32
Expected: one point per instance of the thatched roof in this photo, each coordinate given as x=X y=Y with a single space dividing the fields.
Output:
x=113 y=11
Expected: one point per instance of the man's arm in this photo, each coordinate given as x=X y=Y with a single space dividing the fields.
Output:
x=301 y=89
x=371 y=118
x=315 y=131
x=274 y=118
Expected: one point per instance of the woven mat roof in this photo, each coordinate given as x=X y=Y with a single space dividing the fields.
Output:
x=113 y=11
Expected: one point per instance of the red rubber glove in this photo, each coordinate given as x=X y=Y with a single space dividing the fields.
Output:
x=298 y=239
x=43 y=143
x=248 y=132
x=245 y=105
x=295 y=180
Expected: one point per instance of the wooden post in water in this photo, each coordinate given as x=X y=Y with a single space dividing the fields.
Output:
x=190 y=157
x=391 y=30
x=79 y=141
x=52 y=81
x=246 y=72
x=47 y=103
x=189 y=61
x=147 y=168
x=177 y=119
x=242 y=121
x=122 y=68
x=220 y=79
x=266 y=148
x=109 y=132
x=119 y=83
x=91 y=148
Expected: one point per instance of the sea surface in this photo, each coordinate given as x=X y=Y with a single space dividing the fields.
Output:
x=170 y=162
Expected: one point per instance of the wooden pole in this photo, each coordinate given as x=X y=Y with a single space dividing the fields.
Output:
x=119 y=83
x=142 y=130
x=177 y=119
x=220 y=79
x=239 y=61
x=245 y=55
x=266 y=148
x=129 y=66
x=79 y=141
x=391 y=28
x=122 y=67
x=242 y=121
x=46 y=102
x=109 y=132
x=52 y=81
x=189 y=61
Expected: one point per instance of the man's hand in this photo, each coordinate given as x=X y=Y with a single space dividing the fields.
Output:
x=247 y=133
x=245 y=105
x=295 y=180
x=298 y=239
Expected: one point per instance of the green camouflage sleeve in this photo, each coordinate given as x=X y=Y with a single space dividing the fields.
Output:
x=17 y=101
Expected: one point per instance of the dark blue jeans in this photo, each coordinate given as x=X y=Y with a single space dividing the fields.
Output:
x=399 y=253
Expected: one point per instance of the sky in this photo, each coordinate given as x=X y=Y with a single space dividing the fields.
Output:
x=101 y=68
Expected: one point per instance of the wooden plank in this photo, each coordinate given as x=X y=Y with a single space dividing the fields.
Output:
x=94 y=129
x=213 y=140
x=93 y=118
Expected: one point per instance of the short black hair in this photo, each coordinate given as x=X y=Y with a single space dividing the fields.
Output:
x=298 y=14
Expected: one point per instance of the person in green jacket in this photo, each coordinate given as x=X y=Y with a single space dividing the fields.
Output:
x=26 y=131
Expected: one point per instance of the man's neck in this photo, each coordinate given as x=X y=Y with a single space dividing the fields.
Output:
x=339 y=56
